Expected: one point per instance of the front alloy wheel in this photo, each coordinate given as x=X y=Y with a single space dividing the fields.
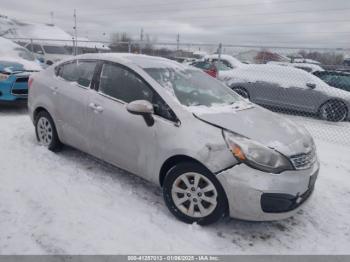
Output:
x=46 y=131
x=193 y=194
x=334 y=111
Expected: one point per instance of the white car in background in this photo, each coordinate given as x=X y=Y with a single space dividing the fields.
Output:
x=48 y=53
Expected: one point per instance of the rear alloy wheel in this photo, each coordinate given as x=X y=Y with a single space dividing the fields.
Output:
x=46 y=132
x=242 y=92
x=193 y=194
x=335 y=111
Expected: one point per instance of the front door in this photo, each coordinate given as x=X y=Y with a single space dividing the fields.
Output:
x=117 y=136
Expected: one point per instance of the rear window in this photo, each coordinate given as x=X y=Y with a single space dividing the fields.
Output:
x=77 y=71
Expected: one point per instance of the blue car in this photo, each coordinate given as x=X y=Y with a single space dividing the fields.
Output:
x=16 y=65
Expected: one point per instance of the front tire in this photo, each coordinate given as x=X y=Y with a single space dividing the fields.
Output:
x=335 y=111
x=46 y=132
x=193 y=194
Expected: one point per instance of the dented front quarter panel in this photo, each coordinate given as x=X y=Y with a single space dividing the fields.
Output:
x=193 y=138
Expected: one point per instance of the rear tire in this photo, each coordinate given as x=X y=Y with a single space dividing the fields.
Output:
x=193 y=194
x=242 y=92
x=46 y=132
x=335 y=111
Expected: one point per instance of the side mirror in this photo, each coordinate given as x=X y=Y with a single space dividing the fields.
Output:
x=142 y=108
x=311 y=85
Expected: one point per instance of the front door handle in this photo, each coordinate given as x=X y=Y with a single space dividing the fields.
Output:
x=96 y=108
x=54 y=89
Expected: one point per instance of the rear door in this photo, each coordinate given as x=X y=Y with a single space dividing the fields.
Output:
x=70 y=90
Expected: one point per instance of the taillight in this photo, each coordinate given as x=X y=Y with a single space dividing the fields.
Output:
x=211 y=72
x=30 y=82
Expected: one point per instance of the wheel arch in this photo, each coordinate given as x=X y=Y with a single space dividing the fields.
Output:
x=38 y=110
x=172 y=161
x=41 y=108
x=334 y=99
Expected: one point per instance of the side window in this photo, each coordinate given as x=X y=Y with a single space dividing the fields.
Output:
x=224 y=62
x=36 y=49
x=69 y=71
x=123 y=84
x=162 y=109
x=77 y=71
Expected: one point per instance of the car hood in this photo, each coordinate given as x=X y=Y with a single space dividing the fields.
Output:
x=8 y=64
x=260 y=125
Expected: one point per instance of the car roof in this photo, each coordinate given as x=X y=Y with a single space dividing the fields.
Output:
x=143 y=61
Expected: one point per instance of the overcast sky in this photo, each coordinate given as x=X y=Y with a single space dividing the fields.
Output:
x=316 y=23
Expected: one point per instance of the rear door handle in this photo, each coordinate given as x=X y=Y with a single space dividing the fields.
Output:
x=96 y=108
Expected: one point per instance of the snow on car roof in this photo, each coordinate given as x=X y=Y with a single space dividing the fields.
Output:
x=11 y=52
x=143 y=61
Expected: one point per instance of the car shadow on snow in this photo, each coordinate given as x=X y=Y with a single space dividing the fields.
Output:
x=242 y=234
x=16 y=109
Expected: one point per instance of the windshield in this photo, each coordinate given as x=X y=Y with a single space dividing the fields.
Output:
x=51 y=49
x=193 y=87
x=24 y=53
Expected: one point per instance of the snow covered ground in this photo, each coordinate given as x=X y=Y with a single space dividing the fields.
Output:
x=73 y=204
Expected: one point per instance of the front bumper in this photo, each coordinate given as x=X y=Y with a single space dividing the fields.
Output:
x=259 y=196
x=14 y=89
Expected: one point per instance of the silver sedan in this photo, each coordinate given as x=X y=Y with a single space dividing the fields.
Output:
x=211 y=151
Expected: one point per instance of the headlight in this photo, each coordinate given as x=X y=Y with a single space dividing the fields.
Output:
x=256 y=155
x=3 y=77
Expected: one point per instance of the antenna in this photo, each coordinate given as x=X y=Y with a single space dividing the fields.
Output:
x=177 y=44
x=52 y=16
x=75 y=32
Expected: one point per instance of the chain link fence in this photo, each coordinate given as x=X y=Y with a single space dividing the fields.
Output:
x=310 y=86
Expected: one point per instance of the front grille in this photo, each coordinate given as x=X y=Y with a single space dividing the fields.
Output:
x=22 y=80
x=304 y=160
x=279 y=203
x=20 y=87
x=20 y=91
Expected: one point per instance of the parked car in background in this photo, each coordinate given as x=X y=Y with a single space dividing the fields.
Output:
x=285 y=87
x=211 y=68
x=346 y=62
x=183 y=60
x=311 y=68
x=337 y=79
x=16 y=64
x=213 y=152
x=48 y=53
